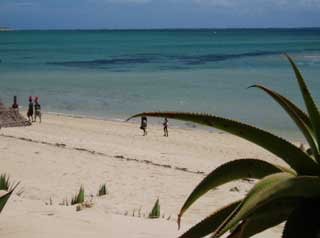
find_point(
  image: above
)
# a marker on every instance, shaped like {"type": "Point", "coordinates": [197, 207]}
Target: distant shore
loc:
{"type": "Point", "coordinates": [5, 29]}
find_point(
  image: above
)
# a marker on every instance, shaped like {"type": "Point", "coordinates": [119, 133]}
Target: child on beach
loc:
{"type": "Point", "coordinates": [143, 125]}
{"type": "Point", "coordinates": [37, 109]}
{"type": "Point", "coordinates": [30, 109]}
{"type": "Point", "coordinates": [15, 105]}
{"type": "Point", "coordinates": [165, 127]}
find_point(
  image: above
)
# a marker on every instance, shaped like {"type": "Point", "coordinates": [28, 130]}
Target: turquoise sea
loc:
{"type": "Point", "coordinates": [115, 73]}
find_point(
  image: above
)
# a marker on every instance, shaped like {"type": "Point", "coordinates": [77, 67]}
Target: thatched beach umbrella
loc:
{"type": "Point", "coordinates": [11, 118]}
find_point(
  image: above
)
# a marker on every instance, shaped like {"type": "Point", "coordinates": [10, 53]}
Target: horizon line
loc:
{"type": "Point", "coordinates": [155, 28]}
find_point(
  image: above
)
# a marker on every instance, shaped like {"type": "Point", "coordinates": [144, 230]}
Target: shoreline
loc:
{"type": "Point", "coordinates": [293, 136]}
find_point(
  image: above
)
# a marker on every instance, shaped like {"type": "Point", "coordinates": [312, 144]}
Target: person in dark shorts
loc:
{"type": "Point", "coordinates": [165, 127]}
{"type": "Point", "coordinates": [143, 125]}
{"type": "Point", "coordinates": [37, 109]}
{"type": "Point", "coordinates": [30, 110]}
{"type": "Point", "coordinates": [15, 105]}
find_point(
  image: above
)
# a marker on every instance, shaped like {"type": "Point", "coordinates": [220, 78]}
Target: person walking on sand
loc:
{"type": "Point", "coordinates": [165, 127]}
{"type": "Point", "coordinates": [30, 110]}
{"type": "Point", "coordinates": [37, 109]}
{"type": "Point", "coordinates": [143, 125]}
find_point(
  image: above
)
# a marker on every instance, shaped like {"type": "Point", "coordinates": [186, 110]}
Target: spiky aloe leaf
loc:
{"type": "Point", "coordinates": [265, 217]}
{"type": "Point", "coordinates": [303, 221]}
{"type": "Point", "coordinates": [155, 212]}
{"type": "Point", "coordinates": [276, 186]}
{"type": "Point", "coordinates": [211, 223]}
{"type": "Point", "coordinates": [294, 107]}
{"type": "Point", "coordinates": [237, 169]}
{"type": "Point", "coordinates": [308, 100]}
{"type": "Point", "coordinates": [78, 198]}
{"type": "Point", "coordinates": [102, 190]}
{"type": "Point", "coordinates": [299, 117]}
{"type": "Point", "coordinates": [296, 158]}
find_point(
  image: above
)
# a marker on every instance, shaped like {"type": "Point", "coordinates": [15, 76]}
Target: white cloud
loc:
{"type": "Point", "coordinates": [310, 3]}
{"type": "Point", "coordinates": [260, 3]}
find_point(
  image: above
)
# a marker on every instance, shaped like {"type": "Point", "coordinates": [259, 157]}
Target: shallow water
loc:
{"type": "Point", "coordinates": [113, 74]}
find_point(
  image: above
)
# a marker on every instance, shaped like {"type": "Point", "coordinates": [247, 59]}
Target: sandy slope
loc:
{"type": "Point", "coordinates": [54, 158]}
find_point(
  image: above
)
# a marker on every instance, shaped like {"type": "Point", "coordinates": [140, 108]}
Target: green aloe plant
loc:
{"type": "Point", "coordinates": [155, 212]}
{"type": "Point", "coordinates": [102, 190]}
{"type": "Point", "coordinates": [4, 182]}
{"type": "Point", "coordinates": [6, 189]}
{"type": "Point", "coordinates": [288, 194]}
{"type": "Point", "coordinates": [79, 197]}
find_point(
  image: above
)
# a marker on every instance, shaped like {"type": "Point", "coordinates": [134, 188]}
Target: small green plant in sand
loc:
{"type": "Point", "coordinates": [155, 212]}
{"type": "Point", "coordinates": [103, 190]}
{"type": "Point", "coordinates": [4, 182]}
{"type": "Point", "coordinates": [79, 197]}
{"type": "Point", "coordinates": [5, 190]}
{"type": "Point", "coordinates": [289, 194]}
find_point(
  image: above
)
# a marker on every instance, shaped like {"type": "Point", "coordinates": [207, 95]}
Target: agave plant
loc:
{"type": "Point", "coordinates": [6, 190]}
{"type": "Point", "coordinates": [79, 197]}
{"type": "Point", "coordinates": [155, 212]}
{"type": "Point", "coordinates": [102, 190]}
{"type": "Point", "coordinates": [288, 194]}
{"type": "Point", "coordinates": [4, 182]}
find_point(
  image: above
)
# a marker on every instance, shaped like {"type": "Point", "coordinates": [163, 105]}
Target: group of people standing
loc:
{"type": "Point", "coordinates": [144, 122]}
{"type": "Point", "coordinates": [34, 109]}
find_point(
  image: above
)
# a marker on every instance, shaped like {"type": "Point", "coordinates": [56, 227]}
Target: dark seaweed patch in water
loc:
{"type": "Point", "coordinates": [102, 62]}
{"type": "Point", "coordinates": [174, 67]}
{"type": "Point", "coordinates": [127, 60]}
{"type": "Point", "coordinates": [202, 59]}
{"type": "Point", "coordinates": [125, 63]}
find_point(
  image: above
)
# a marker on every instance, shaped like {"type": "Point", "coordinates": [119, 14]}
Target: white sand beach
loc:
{"type": "Point", "coordinates": [54, 158]}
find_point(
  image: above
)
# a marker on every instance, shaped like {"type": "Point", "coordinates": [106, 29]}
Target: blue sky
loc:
{"type": "Point", "coordinates": [88, 14]}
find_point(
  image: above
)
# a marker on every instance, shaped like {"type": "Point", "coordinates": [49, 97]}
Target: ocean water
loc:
{"type": "Point", "coordinates": [113, 74]}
